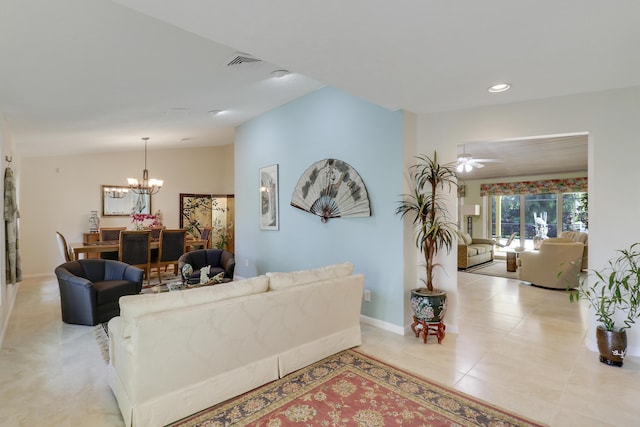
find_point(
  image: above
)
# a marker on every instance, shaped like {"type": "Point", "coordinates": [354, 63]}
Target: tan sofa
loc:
{"type": "Point", "coordinates": [174, 354]}
{"type": "Point", "coordinates": [556, 265]}
{"type": "Point", "coordinates": [474, 251]}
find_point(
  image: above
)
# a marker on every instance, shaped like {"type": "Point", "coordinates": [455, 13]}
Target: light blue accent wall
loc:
{"type": "Point", "coordinates": [328, 123]}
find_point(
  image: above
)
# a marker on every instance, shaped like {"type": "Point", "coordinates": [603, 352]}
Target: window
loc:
{"type": "Point", "coordinates": [533, 214]}
{"type": "Point", "coordinates": [531, 208]}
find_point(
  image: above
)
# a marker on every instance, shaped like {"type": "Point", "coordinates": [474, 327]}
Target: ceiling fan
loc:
{"type": "Point", "coordinates": [466, 162]}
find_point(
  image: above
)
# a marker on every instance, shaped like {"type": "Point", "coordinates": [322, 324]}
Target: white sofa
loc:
{"type": "Point", "coordinates": [174, 354]}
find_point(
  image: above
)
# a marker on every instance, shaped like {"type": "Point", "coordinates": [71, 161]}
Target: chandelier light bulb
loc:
{"type": "Point", "coordinates": [147, 185]}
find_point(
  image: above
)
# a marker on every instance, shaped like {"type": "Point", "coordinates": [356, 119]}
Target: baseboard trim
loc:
{"type": "Point", "coordinates": [382, 325]}
{"type": "Point", "coordinates": [11, 300]}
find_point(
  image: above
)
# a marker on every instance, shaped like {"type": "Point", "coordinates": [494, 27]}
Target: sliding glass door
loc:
{"type": "Point", "coordinates": [541, 215]}
{"type": "Point", "coordinates": [505, 216]}
{"type": "Point", "coordinates": [530, 215]}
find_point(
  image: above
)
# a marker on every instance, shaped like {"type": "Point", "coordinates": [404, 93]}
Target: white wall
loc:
{"type": "Point", "coordinates": [612, 122]}
{"type": "Point", "coordinates": [57, 193]}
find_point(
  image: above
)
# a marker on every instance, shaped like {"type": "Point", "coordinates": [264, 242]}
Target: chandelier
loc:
{"type": "Point", "coordinates": [116, 192]}
{"type": "Point", "coordinates": [146, 186]}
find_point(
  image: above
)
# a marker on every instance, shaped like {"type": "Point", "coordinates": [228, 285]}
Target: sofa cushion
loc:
{"type": "Point", "coordinates": [466, 238]}
{"type": "Point", "coordinates": [576, 236]}
{"type": "Point", "coordinates": [285, 280]}
{"type": "Point", "coordinates": [478, 249]}
{"type": "Point", "coordinates": [111, 290]}
{"type": "Point", "coordinates": [131, 307]}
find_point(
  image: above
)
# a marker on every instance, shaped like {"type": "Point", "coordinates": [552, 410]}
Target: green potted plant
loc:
{"type": "Point", "coordinates": [614, 294]}
{"type": "Point", "coordinates": [426, 207]}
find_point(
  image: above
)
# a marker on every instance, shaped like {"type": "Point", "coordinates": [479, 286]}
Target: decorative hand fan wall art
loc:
{"type": "Point", "coordinates": [331, 188]}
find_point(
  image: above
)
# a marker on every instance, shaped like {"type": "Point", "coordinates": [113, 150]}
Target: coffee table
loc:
{"type": "Point", "coordinates": [178, 286]}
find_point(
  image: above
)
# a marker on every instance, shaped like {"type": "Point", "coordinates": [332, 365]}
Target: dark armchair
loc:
{"type": "Point", "coordinates": [90, 289]}
{"type": "Point", "coordinates": [219, 260]}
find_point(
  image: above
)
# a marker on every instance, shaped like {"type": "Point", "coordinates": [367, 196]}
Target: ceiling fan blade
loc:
{"type": "Point", "coordinates": [489, 160]}
{"type": "Point", "coordinates": [464, 158]}
{"type": "Point", "coordinates": [476, 164]}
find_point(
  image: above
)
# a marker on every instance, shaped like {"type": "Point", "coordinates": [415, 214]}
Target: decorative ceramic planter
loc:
{"type": "Point", "coordinates": [94, 222]}
{"type": "Point", "coordinates": [429, 306]}
{"type": "Point", "coordinates": [612, 345]}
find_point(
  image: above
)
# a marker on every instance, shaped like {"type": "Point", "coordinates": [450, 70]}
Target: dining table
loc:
{"type": "Point", "coordinates": [113, 246]}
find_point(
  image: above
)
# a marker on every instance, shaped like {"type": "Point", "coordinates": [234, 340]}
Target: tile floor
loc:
{"type": "Point", "coordinates": [519, 347]}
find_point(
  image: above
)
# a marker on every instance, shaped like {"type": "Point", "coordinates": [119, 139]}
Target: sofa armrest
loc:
{"type": "Point", "coordinates": [483, 241]}
{"type": "Point", "coordinates": [135, 275]}
{"type": "Point", "coordinates": [66, 277]}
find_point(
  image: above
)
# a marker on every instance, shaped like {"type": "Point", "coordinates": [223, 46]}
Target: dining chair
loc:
{"type": "Point", "coordinates": [135, 249]}
{"type": "Point", "coordinates": [155, 231]}
{"type": "Point", "coordinates": [171, 246]}
{"type": "Point", "coordinates": [508, 242]}
{"type": "Point", "coordinates": [155, 235]}
{"type": "Point", "coordinates": [64, 248]}
{"type": "Point", "coordinates": [206, 235]}
{"type": "Point", "coordinates": [109, 234]}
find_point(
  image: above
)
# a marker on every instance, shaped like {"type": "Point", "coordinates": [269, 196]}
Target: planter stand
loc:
{"type": "Point", "coordinates": [424, 328]}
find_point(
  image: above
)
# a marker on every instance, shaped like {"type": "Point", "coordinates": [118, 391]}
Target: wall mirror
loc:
{"type": "Point", "coordinates": [125, 203]}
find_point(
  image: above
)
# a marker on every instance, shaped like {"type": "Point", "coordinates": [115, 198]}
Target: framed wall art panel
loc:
{"type": "Point", "coordinates": [269, 216]}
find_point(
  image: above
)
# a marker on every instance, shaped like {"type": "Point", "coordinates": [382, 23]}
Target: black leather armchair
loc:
{"type": "Point", "coordinates": [219, 260]}
{"type": "Point", "coordinates": [90, 289]}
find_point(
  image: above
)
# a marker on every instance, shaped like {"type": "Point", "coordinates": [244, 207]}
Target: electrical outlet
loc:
{"type": "Point", "coordinates": [367, 295]}
{"type": "Point", "coordinates": [246, 262]}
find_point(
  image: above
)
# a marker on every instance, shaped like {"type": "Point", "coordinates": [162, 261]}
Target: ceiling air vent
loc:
{"type": "Point", "coordinates": [241, 58]}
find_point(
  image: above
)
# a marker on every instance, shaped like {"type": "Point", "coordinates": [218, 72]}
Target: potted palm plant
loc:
{"type": "Point", "coordinates": [426, 207]}
{"type": "Point", "coordinates": [614, 294]}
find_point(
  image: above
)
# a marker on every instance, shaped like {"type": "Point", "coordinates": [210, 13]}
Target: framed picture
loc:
{"type": "Point", "coordinates": [198, 211]}
{"type": "Point", "coordinates": [125, 203]}
{"type": "Point", "coordinates": [269, 219]}
{"type": "Point", "coordinates": [222, 216]}
{"type": "Point", "coordinates": [195, 213]}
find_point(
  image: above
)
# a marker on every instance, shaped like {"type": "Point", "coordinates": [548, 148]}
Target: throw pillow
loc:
{"type": "Point", "coordinates": [285, 280]}
{"type": "Point", "coordinates": [466, 238]}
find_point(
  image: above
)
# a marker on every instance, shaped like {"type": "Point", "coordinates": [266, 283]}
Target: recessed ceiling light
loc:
{"type": "Point", "coordinates": [214, 113]}
{"type": "Point", "coordinates": [499, 87]}
{"type": "Point", "coordinates": [279, 73]}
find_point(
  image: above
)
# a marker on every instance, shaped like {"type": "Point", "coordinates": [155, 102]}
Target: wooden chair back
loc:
{"type": "Point", "coordinates": [206, 235]}
{"type": "Point", "coordinates": [64, 248]}
{"type": "Point", "coordinates": [135, 249]}
{"type": "Point", "coordinates": [108, 234]}
{"type": "Point", "coordinates": [155, 231]}
{"type": "Point", "coordinates": [172, 244]}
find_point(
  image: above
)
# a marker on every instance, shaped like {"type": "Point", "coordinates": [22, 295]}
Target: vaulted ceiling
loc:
{"type": "Point", "coordinates": [97, 75]}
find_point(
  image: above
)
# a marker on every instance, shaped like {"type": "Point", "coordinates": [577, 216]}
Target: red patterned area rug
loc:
{"type": "Point", "coordinates": [352, 389]}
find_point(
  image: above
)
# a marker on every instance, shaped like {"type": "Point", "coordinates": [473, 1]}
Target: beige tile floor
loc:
{"type": "Point", "coordinates": [519, 347]}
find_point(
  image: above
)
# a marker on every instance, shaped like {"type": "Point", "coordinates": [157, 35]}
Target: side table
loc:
{"type": "Point", "coordinates": [512, 261]}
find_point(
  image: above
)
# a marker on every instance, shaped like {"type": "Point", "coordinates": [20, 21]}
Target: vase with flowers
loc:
{"type": "Point", "coordinates": [142, 221]}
